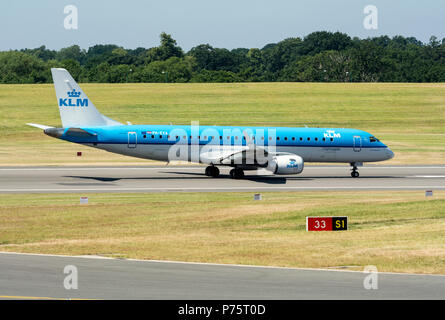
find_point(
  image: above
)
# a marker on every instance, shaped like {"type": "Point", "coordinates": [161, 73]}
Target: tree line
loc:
{"type": "Point", "coordinates": [320, 56]}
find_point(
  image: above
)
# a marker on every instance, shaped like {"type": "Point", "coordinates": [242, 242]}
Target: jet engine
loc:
{"type": "Point", "coordinates": [286, 164]}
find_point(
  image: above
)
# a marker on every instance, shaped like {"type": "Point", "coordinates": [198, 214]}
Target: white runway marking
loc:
{"type": "Point", "coordinates": [252, 188]}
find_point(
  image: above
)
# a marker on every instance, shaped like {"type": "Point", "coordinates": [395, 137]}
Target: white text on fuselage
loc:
{"type": "Point", "coordinates": [332, 134]}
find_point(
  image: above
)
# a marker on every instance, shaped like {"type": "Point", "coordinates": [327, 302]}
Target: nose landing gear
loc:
{"type": "Point", "coordinates": [354, 172]}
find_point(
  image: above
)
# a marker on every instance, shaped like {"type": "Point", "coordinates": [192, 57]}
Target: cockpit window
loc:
{"type": "Point", "coordinates": [373, 139]}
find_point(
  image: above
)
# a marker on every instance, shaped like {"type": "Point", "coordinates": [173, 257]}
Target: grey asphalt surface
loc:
{"type": "Point", "coordinates": [40, 276]}
{"type": "Point", "coordinates": [175, 178]}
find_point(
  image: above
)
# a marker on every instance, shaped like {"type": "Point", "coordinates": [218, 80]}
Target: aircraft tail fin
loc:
{"type": "Point", "coordinates": [76, 110]}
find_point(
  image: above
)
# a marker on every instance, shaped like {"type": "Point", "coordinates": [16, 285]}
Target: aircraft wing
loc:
{"type": "Point", "coordinates": [220, 155]}
{"type": "Point", "coordinates": [248, 153]}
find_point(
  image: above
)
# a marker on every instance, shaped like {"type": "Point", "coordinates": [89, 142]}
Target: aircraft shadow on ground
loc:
{"type": "Point", "coordinates": [201, 176]}
{"type": "Point", "coordinates": [346, 177]}
{"type": "Point", "coordinates": [196, 176]}
{"type": "Point", "coordinates": [261, 178]}
{"type": "Point", "coordinates": [84, 184]}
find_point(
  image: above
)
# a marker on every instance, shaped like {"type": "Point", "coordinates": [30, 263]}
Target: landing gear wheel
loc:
{"type": "Point", "coordinates": [354, 172]}
{"type": "Point", "coordinates": [212, 171]}
{"type": "Point", "coordinates": [215, 172]}
{"type": "Point", "coordinates": [236, 174]}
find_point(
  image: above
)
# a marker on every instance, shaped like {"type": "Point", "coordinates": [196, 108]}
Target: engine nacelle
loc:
{"type": "Point", "coordinates": [286, 164]}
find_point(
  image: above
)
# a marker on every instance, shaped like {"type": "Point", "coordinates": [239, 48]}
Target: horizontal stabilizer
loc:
{"type": "Point", "coordinates": [40, 126]}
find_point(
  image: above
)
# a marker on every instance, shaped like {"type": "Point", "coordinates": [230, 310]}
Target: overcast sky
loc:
{"type": "Point", "coordinates": [224, 23]}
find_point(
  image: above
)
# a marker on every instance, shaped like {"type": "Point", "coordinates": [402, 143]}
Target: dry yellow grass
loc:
{"type": "Point", "coordinates": [396, 231]}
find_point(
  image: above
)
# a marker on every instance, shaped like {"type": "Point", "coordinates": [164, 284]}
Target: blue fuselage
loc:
{"type": "Point", "coordinates": [312, 144]}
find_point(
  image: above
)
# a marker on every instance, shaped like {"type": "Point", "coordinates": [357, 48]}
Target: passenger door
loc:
{"type": "Point", "coordinates": [132, 140]}
{"type": "Point", "coordinates": [357, 143]}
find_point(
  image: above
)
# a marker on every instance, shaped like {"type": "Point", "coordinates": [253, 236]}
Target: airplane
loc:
{"type": "Point", "coordinates": [279, 150]}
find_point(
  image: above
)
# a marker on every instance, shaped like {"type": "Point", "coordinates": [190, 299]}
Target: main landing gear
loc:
{"type": "Point", "coordinates": [236, 173]}
{"type": "Point", "coordinates": [212, 171]}
{"type": "Point", "coordinates": [354, 172]}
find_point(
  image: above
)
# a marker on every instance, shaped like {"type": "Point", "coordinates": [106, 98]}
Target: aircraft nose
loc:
{"type": "Point", "coordinates": [389, 153]}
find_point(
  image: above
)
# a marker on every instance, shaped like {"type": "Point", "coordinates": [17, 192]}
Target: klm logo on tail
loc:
{"type": "Point", "coordinates": [73, 100]}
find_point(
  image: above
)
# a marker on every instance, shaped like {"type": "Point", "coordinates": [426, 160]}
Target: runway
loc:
{"type": "Point", "coordinates": [42, 276]}
{"type": "Point", "coordinates": [192, 179]}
